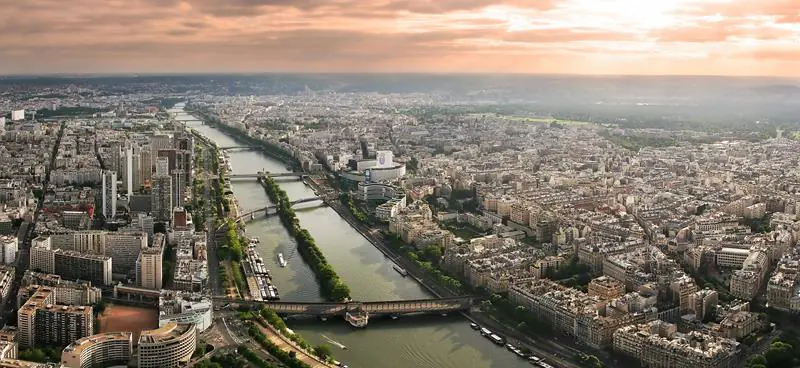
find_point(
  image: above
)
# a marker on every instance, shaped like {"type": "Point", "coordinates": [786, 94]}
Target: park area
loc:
{"type": "Point", "coordinates": [120, 318]}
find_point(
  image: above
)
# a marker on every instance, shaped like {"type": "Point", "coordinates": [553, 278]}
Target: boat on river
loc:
{"type": "Point", "coordinates": [281, 261]}
{"type": "Point", "coordinates": [401, 270]}
{"type": "Point", "coordinates": [358, 318]}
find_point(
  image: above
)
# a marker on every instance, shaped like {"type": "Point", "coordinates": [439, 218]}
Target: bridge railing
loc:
{"type": "Point", "coordinates": [387, 307]}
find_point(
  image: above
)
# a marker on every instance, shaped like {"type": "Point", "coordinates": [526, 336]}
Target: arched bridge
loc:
{"type": "Point", "coordinates": [441, 305]}
{"type": "Point", "coordinates": [273, 208]}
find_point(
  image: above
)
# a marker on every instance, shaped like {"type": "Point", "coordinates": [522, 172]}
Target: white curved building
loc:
{"type": "Point", "coordinates": [169, 346]}
{"type": "Point", "coordinates": [99, 350]}
{"type": "Point", "coordinates": [394, 196]}
{"type": "Point", "coordinates": [380, 169]}
{"type": "Point", "coordinates": [184, 307]}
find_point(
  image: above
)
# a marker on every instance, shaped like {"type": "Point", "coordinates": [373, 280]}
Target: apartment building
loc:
{"type": "Point", "coordinates": [746, 283]}
{"type": "Point", "coordinates": [683, 289]}
{"type": "Point", "coordinates": [169, 346]}
{"type": "Point", "coordinates": [124, 249]}
{"type": "Point", "coordinates": [105, 349]}
{"type": "Point", "coordinates": [149, 268]}
{"type": "Point", "coordinates": [657, 344]}
{"type": "Point", "coordinates": [41, 321]}
{"type": "Point", "coordinates": [606, 288]}
{"type": "Point", "coordinates": [162, 198]}
{"type": "Point", "coordinates": [7, 274]}
{"type": "Point", "coordinates": [73, 265]}
{"type": "Point", "coordinates": [61, 324]}
{"type": "Point", "coordinates": [8, 249]}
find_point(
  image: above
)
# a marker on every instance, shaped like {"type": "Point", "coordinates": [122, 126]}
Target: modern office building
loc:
{"type": "Point", "coordinates": [162, 166]}
{"type": "Point", "coordinates": [184, 307]}
{"type": "Point", "coordinates": [115, 157]}
{"type": "Point", "coordinates": [7, 274]}
{"type": "Point", "coordinates": [137, 172]}
{"type": "Point", "coordinates": [41, 255]}
{"type": "Point", "coordinates": [124, 249]}
{"type": "Point", "coordinates": [17, 115]}
{"type": "Point", "coordinates": [75, 220]}
{"type": "Point", "coordinates": [179, 217]}
{"type": "Point", "coordinates": [149, 268]}
{"type": "Point", "coordinates": [145, 167]}
{"type": "Point", "coordinates": [128, 175]}
{"type": "Point", "coordinates": [178, 187]}
{"type": "Point", "coordinates": [172, 159]}
{"type": "Point", "coordinates": [91, 241]}
{"type": "Point", "coordinates": [101, 350]}
{"type": "Point", "coordinates": [162, 197]}
{"type": "Point", "coordinates": [8, 249]}
{"type": "Point", "coordinates": [109, 194]}
{"type": "Point", "coordinates": [8, 350]}
{"type": "Point", "coordinates": [160, 142]}
{"type": "Point", "coordinates": [168, 346]}
{"type": "Point", "coordinates": [72, 265]}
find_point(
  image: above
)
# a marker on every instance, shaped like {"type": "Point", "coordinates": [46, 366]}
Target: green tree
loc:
{"type": "Point", "coordinates": [433, 253]}
{"type": "Point", "coordinates": [322, 351]}
{"type": "Point", "coordinates": [207, 364]}
{"type": "Point", "coordinates": [779, 355]}
{"type": "Point", "coordinates": [340, 291]}
{"type": "Point", "coordinates": [757, 362]}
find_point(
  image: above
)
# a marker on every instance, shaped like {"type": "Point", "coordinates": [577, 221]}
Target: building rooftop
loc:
{"type": "Point", "coordinates": [78, 346]}
{"type": "Point", "coordinates": [167, 332]}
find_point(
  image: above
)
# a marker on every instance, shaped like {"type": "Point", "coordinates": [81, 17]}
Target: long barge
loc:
{"type": "Point", "coordinates": [257, 275]}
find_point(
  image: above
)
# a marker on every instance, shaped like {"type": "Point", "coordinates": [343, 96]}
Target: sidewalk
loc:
{"type": "Point", "coordinates": [285, 344]}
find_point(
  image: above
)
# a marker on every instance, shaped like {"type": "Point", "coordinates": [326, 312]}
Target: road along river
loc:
{"type": "Point", "coordinates": [414, 341]}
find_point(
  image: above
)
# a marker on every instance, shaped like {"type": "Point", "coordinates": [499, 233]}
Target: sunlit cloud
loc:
{"type": "Point", "coordinates": [739, 37]}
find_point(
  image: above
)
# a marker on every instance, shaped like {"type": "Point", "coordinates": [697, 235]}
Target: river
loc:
{"type": "Point", "coordinates": [414, 341]}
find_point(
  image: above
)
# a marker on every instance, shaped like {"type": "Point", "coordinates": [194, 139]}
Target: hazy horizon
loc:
{"type": "Point", "coordinates": [561, 37]}
{"type": "Point", "coordinates": [386, 73]}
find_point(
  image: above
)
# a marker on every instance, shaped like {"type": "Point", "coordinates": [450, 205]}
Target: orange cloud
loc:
{"type": "Point", "coordinates": [741, 37]}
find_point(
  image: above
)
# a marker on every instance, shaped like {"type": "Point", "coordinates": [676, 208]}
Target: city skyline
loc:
{"type": "Point", "coordinates": [681, 37]}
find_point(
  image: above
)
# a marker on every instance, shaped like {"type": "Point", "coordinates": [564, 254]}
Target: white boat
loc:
{"type": "Point", "coordinates": [400, 270]}
{"type": "Point", "coordinates": [358, 319]}
{"type": "Point", "coordinates": [281, 261]}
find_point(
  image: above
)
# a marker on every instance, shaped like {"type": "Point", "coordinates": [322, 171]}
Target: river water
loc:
{"type": "Point", "coordinates": [408, 342]}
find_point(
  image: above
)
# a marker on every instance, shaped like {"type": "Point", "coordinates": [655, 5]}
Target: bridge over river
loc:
{"type": "Point", "coordinates": [393, 307]}
{"type": "Point", "coordinates": [271, 175]}
{"type": "Point", "coordinates": [272, 208]}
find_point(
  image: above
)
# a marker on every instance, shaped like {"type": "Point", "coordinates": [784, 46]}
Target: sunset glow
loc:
{"type": "Point", "coordinates": [717, 37]}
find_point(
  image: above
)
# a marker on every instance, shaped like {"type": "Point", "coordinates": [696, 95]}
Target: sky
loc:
{"type": "Point", "coordinates": [653, 37]}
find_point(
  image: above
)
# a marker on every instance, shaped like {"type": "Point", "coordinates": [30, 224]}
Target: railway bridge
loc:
{"type": "Point", "coordinates": [393, 307]}
{"type": "Point", "coordinates": [271, 209]}
{"type": "Point", "coordinates": [271, 175]}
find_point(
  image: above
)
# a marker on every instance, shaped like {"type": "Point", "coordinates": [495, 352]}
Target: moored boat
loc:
{"type": "Point", "coordinates": [400, 270]}
{"type": "Point", "coordinates": [358, 319]}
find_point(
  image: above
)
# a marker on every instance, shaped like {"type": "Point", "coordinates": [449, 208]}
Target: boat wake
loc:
{"type": "Point", "coordinates": [334, 342]}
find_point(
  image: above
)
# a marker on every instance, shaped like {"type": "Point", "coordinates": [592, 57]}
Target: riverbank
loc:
{"type": "Point", "coordinates": [275, 151]}
{"type": "Point", "coordinates": [558, 353]}
{"type": "Point", "coordinates": [406, 342]}
{"type": "Point", "coordinates": [330, 284]}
